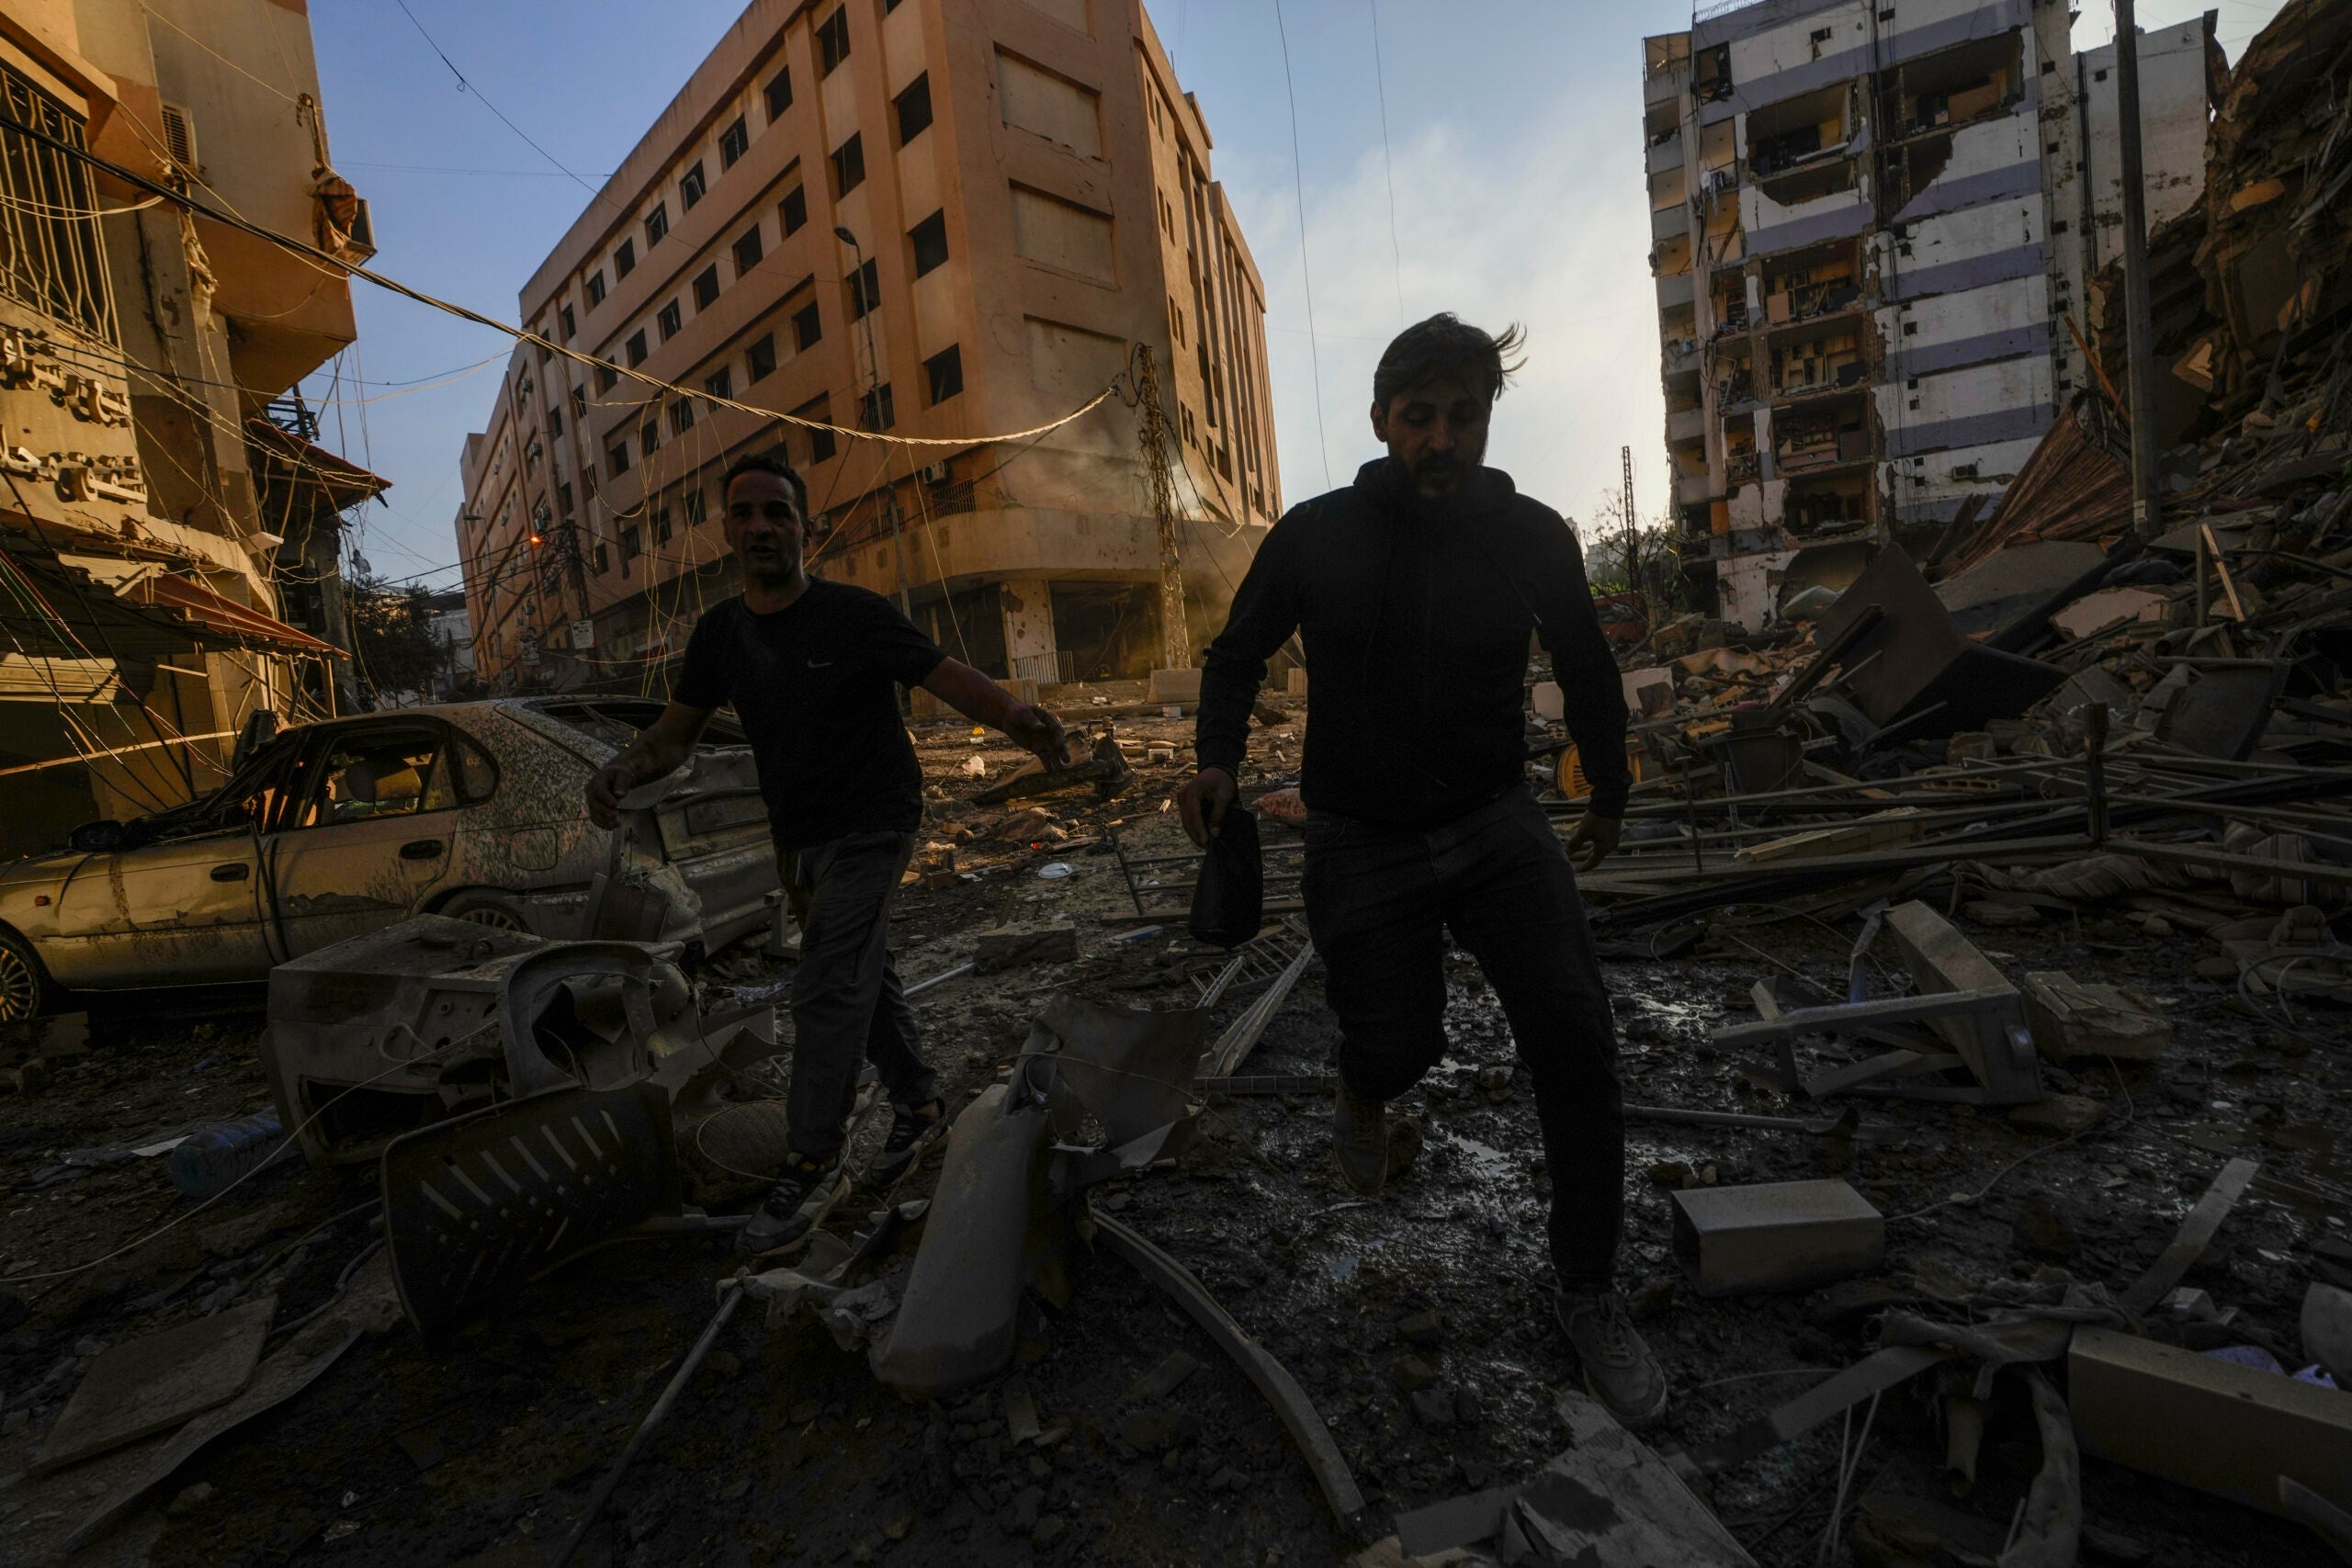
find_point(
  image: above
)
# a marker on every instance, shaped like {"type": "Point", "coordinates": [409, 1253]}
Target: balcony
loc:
{"type": "Point", "coordinates": [1665, 154]}
{"type": "Point", "coordinates": [1684, 426]}
{"type": "Point", "coordinates": [1666, 84]}
{"type": "Point", "coordinates": [1675, 290]}
{"type": "Point", "coordinates": [1690, 490]}
{"type": "Point", "coordinates": [1668, 222]}
{"type": "Point", "coordinates": [1740, 467]}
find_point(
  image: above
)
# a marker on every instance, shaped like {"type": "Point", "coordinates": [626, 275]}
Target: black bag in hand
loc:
{"type": "Point", "coordinates": [1229, 899]}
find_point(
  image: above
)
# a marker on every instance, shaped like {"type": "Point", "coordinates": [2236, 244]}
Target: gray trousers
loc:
{"type": "Point", "coordinates": [848, 1006]}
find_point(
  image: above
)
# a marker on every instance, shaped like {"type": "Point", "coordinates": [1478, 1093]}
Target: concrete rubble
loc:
{"type": "Point", "coordinates": [1979, 941]}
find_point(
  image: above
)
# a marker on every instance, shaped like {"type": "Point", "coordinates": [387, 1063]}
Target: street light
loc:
{"type": "Point", "coordinates": [873, 407]}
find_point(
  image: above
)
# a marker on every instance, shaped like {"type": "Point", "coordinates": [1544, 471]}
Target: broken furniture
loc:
{"type": "Point", "coordinates": [1779, 1236]}
{"type": "Point", "coordinates": [1106, 771]}
{"type": "Point", "coordinates": [1914, 666]}
{"type": "Point", "coordinates": [1976, 1020]}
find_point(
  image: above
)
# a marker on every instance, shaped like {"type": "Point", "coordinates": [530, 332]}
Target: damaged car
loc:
{"type": "Point", "coordinates": [335, 829]}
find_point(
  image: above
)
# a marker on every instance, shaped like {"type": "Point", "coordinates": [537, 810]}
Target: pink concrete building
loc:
{"type": "Point", "coordinates": [903, 217]}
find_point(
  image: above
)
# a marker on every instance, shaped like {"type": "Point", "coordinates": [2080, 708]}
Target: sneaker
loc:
{"type": "Point", "coordinates": [1359, 1139]}
{"type": "Point", "coordinates": [913, 1129]}
{"type": "Point", "coordinates": [1619, 1369]}
{"type": "Point", "coordinates": [801, 1197]}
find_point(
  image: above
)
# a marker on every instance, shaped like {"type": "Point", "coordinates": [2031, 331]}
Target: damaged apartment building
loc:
{"type": "Point", "coordinates": [908, 218]}
{"type": "Point", "coordinates": [170, 530]}
{"type": "Point", "coordinates": [1872, 225]}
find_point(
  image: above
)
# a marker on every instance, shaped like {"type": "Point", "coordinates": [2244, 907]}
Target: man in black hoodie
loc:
{"type": "Point", "coordinates": [1415, 591]}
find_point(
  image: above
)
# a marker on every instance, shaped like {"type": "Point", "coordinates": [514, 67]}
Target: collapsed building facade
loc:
{"type": "Point", "coordinates": [162, 490]}
{"type": "Point", "coordinates": [1872, 232]}
{"type": "Point", "coordinates": [913, 219]}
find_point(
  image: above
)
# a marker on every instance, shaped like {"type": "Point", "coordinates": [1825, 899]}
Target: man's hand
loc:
{"type": "Point", "coordinates": [605, 787]}
{"type": "Point", "coordinates": [1594, 839]}
{"type": "Point", "coordinates": [1034, 729]}
{"type": "Point", "coordinates": [1204, 801]}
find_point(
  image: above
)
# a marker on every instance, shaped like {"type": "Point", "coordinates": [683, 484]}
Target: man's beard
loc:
{"type": "Point", "coordinates": [1434, 475]}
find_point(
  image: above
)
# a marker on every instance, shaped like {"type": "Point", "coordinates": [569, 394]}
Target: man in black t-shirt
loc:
{"type": "Point", "coordinates": [812, 669]}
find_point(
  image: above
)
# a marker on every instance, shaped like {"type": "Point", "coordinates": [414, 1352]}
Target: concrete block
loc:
{"type": "Point", "coordinates": [1548, 702]}
{"type": "Point", "coordinates": [1177, 686]}
{"type": "Point", "coordinates": [1005, 946]}
{"type": "Point", "coordinates": [2074, 1019]}
{"type": "Point", "coordinates": [1781, 1236]}
{"type": "Point", "coordinates": [2218, 1426]}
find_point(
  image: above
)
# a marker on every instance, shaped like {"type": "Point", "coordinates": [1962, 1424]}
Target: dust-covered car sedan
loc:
{"type": "Point", "coordinates": [329, 830]}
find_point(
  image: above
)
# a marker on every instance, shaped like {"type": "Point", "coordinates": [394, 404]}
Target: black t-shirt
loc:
{"type": "Point", "coordinates": [811, 684]}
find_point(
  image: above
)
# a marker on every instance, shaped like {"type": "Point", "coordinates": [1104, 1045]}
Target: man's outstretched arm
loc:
{"type": "Point", "coordinates": [982, 701]}
{"type": "Point", "coordinates": [1264, 613]}
{"type": "Point", "coordinates": [658, 749]}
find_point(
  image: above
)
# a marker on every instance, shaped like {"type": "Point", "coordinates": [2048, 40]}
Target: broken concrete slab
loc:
{"type": "Point", "coordinates": [1610, 1502]}
{"type": "Point", "coordinates": [1003, 947]}
{"type": "Point", "coordinates": [1781, 1235]}
{"type": "Point", "coordinates": [2095, 612]}
{"type": "Point", "coordinates": [2085, 1019]}
{"type": "Point", "coordinates": [369, 1305]}
{"type": "Point", "coordinates": [2213, 1425]}
{"type": "Point", "coordinates": [152, 1385]}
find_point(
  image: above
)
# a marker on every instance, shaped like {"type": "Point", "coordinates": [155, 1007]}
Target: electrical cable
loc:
{"type": "Point", "coordinates": [1387, 165]}
{"type": "Point", "coordinates": [465, 87]}
{"type": "Point", "coordinates": [654, 384]}
{"type": "Point", "coordinates": [1306, 274]}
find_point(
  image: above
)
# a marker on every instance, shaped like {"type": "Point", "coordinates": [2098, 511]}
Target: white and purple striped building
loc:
{"type": "Point", "coordinates": [1872, 224]}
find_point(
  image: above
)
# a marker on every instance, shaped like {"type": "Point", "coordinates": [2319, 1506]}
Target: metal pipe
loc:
{"type": "Point", "coordinates": [731, 1299]}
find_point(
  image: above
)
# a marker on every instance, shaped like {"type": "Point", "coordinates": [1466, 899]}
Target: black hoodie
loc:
{"type": "Point", "coordinates": [1415, 615]}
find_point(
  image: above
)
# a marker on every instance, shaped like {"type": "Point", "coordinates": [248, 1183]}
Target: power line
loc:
{"type": "Point", "coordinates": [465, 87]}
{"type": "Point", "coordinates": [1387, 165]}
{"type": "Point", "coordinates": [1299, 180]}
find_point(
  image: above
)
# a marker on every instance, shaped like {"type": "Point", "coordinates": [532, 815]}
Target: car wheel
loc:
{"type": "Point", "coordinates": [24, 986]}
{"type": "Point", "coordinates": [489, 909]}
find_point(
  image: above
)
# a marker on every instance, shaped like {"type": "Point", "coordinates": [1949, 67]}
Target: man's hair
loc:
{"type": "Point", "coordinates": [766, 463]}
{"type": "Point", "coordinates": [1447, 345]}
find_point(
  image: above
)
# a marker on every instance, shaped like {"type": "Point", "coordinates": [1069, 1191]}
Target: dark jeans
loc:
{"type": "Point", "coordinates": [1378, 901]}
{"type": "Point", "coordinates": [847, 1004]}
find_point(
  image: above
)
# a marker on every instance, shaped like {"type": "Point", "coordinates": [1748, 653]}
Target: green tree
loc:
{"type": "Point", "coordinates": [392, 644]}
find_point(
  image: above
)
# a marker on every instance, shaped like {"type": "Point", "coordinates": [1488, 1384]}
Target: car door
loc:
{"type": "Point", "coordinates": [184, 908]}
{"type": "Point", "coordinates": [367, 835]}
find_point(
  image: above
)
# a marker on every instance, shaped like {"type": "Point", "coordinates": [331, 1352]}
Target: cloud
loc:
{"type": "Point", "coordinates": [1550, 229]}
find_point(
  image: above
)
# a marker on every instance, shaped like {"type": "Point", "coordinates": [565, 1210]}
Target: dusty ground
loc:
{"type": "Point", "coordinates": [786, 1450]}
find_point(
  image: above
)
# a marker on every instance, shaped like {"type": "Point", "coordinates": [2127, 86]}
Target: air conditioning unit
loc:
{"type": "Point", "coordinates": [937, 473]}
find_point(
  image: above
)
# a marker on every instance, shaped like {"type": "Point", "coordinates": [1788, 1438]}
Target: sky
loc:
{"type": "Point", "coordinates": [1483, 157]}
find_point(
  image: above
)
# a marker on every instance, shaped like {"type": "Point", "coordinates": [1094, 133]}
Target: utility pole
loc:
{"type": "Point", "coordinates": [1633, 538]}
{"type": "Point", "coordinates": [1175, 644]}
{"type": "Point", "coordinates": [2147, 502]}
{"type": "Point", "coordinates": [873, 413]}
